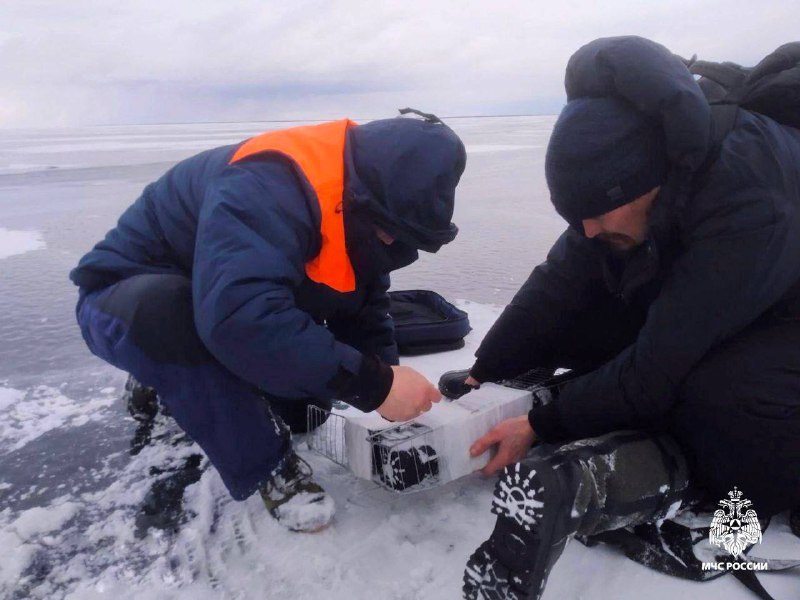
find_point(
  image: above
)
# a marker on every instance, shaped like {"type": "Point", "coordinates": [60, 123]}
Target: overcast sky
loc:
{"type": "Point", "coordinates": [73, 62]}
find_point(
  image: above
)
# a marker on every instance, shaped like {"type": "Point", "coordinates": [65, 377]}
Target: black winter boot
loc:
{"type": "Point", "coordinates": [533, 502]}
{"type": "Point", "coordinates": [294, 411]}
{"type": "Point", "coordinates": [142, 401]}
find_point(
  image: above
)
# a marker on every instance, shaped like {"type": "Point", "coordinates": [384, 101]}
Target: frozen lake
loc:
{"type": "Point", "coordinates": [72, 477]}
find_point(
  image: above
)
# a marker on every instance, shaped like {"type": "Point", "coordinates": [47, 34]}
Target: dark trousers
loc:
{"type": "Point", "coordinates": [737, 416]}
{"type": "Point", "coordinates": [626, 478]}
{"type": "Point", "coordinates": [145, 325]}
{"type": "Point", "coordinates": [620, 479]}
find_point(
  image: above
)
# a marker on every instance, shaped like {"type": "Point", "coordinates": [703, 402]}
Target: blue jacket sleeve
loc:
{"type": "Point", "coordinates": [371, 330]}
{"type": "Point", "coordinates": [742, 256]}
{"type": "Point", "coordinates": [255, 233]}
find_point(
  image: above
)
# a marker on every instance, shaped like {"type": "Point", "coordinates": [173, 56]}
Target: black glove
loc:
{"type": "Point", "coordinates": [452, 385]}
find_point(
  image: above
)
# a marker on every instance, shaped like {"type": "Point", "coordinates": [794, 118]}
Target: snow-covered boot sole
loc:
{"type": "Point", "coordinates": [295, 500]}
{"type": "Point", "coordinates": [485, 578]}
{"type": "Point", "coordinates": [306, 512]}
{"type": "Point", "coordinates": [532, 501]}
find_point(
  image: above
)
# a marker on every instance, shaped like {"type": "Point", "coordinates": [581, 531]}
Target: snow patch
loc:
{"type": "Point", "coordinates": [673, 509]}
{"type": "Point", "coordinates": [25, 536]}
{"type": "Point", "coordinates": [15, 560]}
{"type": "Point", "coordinates": [19, 242]}
{"type": "Point", "coordinates": [39, 520]}
{"type": "Point", "coordinates": [28, 414]}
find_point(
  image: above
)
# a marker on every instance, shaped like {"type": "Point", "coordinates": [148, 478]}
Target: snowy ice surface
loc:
{"type": "Point", "coordinates": [480, 148]}
{"type": "Point", "coordinates": [73, 473]}
{"type": "Point", "coordinates": [19, 242]}
{"type": "Point", "coordinates": [380, 544]}
{"type": "Point", "coordinates": [28, 414]}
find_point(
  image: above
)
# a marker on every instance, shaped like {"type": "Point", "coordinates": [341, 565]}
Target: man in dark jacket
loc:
{"type": "Point", "coordinates": [674, 293]}
{"type": "Point", "coordinates": [252, 279]}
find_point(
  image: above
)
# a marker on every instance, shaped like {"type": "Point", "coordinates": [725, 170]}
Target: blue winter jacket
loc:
{"type": "Point", "coordinates": [243, 234]}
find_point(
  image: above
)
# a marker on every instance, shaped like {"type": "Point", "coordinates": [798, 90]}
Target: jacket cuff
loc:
{"type": "Point", "coordinates": [389, 355]}
{"type": "Point", "coordinates": [481, 372]}
{"type": "Point", "coordinates": [546, 423]}
{"type": "Point", "coordinates": [367, 390]}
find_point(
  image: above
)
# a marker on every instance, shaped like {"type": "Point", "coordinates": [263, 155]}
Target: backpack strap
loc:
{"type": "Point", "coordinates": [771, 88]}
{"type": "Point", "coordinates": [643, 545]}
{"type": "Point", "coordinates": [751, 582]}
{"type": "Point", "coordinates": [717, 80]}
{"type": "Point", "coordinates": [647, 544]}
{"type": "Point", "coordinates": [723, 120]}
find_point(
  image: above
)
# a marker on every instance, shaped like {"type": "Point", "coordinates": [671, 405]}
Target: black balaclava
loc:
{"type": "Point", "coordinates": [401, 176]}
{"type": "Point", "coordinates": [369, 256]}
{"type": "Point", "coordinates": [602, 154]}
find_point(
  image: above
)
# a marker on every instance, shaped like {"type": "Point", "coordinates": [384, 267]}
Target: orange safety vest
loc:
{"type": "Point", "coordinates": [318, 151]}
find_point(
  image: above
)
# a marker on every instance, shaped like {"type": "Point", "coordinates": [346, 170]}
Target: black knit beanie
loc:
{"type": "Point", "coordinates": [603, 153]}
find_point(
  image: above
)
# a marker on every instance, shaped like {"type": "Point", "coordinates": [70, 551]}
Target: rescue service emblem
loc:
{"type": "Point", "coordinates": [735, 525]}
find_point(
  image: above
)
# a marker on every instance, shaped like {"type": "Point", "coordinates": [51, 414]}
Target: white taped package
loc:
{"type": "Point", "coordinates": [451, 427]}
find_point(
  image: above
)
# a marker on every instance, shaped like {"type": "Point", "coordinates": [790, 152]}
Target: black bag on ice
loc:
{"type": "Point", "coordinates": [424, 322]}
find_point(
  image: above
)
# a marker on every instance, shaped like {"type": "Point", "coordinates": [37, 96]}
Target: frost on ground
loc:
{"type": "Point", "coordinates": [28, 414]}
{"type": "Point", "coordinates": [19, 242]}
{"type": "Point", "coordinates": [82, 542]}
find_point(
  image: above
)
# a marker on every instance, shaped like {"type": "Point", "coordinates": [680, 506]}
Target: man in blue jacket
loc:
{"type": "Point", "coordinates": [256, 275]}
{"type": "Point", "coordinates": [674, 295]}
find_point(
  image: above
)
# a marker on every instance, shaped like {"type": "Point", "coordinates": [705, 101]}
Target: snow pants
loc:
{"type": "Point", "coordinates": [145, 325]}
{"type": "Point", "coordinates": [737, 416]}
{"type": "Point", "coordinates": [621, 479]}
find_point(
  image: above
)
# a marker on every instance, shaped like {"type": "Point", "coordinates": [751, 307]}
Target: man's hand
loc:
{"type": "Point", "coordinates": [513, 437]}
{"type": "Point", "coordinates": [411, 395]}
